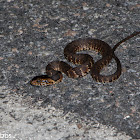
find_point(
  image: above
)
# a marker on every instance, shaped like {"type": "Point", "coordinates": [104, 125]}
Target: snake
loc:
{"type": "Point", "coordinates": [85, 62]}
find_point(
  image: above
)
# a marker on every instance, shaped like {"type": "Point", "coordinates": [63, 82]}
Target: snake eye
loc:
{"type": "Point", "coordinates": [38, 81]}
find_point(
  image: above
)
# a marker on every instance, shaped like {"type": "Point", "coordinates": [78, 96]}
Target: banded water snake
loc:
{"type": "Point", "coordinates": [85, 62]}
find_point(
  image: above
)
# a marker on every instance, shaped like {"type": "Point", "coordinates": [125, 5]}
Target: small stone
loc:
{"type": "Point", "coordinates": [131, 70]}
{"type": "Point", "coordinates": [91, 31]}
{"type": "Point", "coordinates": [63, 19]}
{"type": "Point", "coordinates": [9, 0]}
{"type": "Point", "coordinates": [70, 33]}
{"type": "Point", "coordinates": [124, 69]}
{"type": "Point", "coordinates": [108, 5]}
{"type": "Point", "coordinates": [79, 125]}
{"type": "Point", "coordinates": [15, 50]}
{"type": "Point", "coordinates": [85, 8]}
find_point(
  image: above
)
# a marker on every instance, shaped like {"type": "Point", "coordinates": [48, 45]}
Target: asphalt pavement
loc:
{"type": "Point", "coordinates": [34, 33]}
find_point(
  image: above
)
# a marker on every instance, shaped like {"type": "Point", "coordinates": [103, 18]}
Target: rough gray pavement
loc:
{"type": "Point", "coordinates": [34, 33]}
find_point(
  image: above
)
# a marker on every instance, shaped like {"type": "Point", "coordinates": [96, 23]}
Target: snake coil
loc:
{"type": "Point", "coordinates": [85, 62]}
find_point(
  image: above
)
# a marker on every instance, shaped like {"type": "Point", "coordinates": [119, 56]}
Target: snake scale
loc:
{"type": "Point", "coordinates": [85, 62]}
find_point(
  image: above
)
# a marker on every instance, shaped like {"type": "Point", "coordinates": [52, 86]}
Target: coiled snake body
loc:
{"type": "Point", "coordinates": [85, 62]}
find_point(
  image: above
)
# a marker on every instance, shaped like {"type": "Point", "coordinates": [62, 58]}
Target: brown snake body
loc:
{"type": "Point", "coordinates": [85, 62]}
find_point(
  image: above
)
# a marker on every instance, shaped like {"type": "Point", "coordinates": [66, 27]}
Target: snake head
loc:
{"type": "Point", "coordinates": [45, 80]}
{"type": "Point", "coordinates": [42, 80]}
